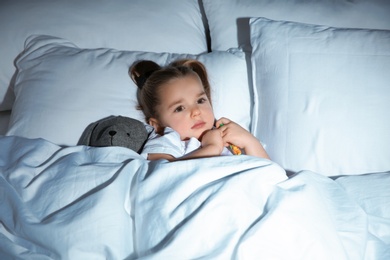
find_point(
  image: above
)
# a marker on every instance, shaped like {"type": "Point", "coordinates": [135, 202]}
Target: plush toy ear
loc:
{"type": "Point", "coordinates": [85, 138]}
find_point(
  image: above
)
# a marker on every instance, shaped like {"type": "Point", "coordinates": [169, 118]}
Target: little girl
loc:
{"type": "Point", "coordinates": [176, 102]}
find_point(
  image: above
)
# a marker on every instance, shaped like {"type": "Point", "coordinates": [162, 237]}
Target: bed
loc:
{"type": "Point", "coordinates": [308, 78]}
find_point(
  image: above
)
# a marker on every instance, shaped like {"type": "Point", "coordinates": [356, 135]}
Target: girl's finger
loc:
{"type": "Point", "coordinates": [222, 121]}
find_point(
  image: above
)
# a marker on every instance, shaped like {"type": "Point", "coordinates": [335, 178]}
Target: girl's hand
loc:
{"type": "Point", "coordinates": [233, 133]}
{"type": "Point", "coordinates": [212, 139]}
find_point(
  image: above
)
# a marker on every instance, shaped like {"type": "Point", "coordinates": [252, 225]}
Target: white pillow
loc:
{"type": "Point", "coordinates": [60, 88]}
{"type": "Point", "coordinates": [322, 96]}
{"type": "Point", "coordinates": [229, 19]}
{"type": "Point", "coordinates": [148, 25]}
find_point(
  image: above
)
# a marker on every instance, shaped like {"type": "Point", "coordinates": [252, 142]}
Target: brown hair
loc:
{"type": "Point", "coordinates": [149, 77]}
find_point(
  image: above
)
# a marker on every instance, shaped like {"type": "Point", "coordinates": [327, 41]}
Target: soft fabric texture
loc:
{"type": "Point", "coordinates": [229, 19]}
{"type": "Point", "coordinates": [322, 96]}
{"type": "Point", "coordinates": [119, 24]}
{"type": "Point", "coordinates": [247, 212]}
{"type": "Point", "coordinates": [65, 203]}
{"type": "Point", "coordinates": [108, 203]}
{"type": "Point", "coordinates": [116, 131]}
{"type": "Point", "coordinates": [369, 191]}
{"type": "Point", "coordinates": [60, 89]}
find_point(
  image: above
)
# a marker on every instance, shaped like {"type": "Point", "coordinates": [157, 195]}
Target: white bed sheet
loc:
{"type": "Point", "coordinates": [108, 203]}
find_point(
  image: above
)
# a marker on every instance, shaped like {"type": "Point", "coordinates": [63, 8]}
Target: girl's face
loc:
{"type": "Point", "coordinates": [184, 107]}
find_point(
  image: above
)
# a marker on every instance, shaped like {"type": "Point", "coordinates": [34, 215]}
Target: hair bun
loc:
{"type": "Point", "coordinates": [141, 71]}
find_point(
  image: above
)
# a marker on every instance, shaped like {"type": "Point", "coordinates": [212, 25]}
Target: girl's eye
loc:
{"type": "Point", "coordinates": [201, 100]}
{"type": "Point", "coordinates": [179, 109]}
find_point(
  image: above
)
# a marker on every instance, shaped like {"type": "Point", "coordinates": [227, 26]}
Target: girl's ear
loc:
{"type": "Point", "coordinates": [156, 125]}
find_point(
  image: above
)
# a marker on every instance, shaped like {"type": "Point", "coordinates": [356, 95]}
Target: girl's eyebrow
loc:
{"type": "Point", "coordinates": [202, 93]}
{"type": "Point", "coordinates": [175, 103]}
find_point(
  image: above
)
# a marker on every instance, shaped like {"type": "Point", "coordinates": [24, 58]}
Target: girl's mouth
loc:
{"type": "Point", "coordinates": [198, 125]}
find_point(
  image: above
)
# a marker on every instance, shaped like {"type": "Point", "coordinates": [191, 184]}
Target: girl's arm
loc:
{"type": "Point", "coordinates": [212, 145]}
{"type": "Point", "coordinates": [232, 133]}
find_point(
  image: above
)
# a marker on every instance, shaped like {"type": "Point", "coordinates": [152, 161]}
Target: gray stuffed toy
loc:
{"type": "Point", "coordinates": [115, 131]}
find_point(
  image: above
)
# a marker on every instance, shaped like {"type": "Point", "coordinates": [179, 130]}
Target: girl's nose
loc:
{"type": "Point", "coordinates": [195, 111]}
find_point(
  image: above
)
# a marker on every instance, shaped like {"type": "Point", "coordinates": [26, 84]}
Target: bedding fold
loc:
{"type": "Point", "coordinates": [204, 203]}
{"type": "Point", "coordinates": [65, 202]}
{"type": "Point", "coordinates": [230, 210]}
{"type": "Point", "coordinates": [83, 202]}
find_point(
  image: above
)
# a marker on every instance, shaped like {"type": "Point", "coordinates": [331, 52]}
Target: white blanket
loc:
{"type": "Point", "coordinates": [109, 203]}
{"type": "Point", "coordinates": [65, 203]}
